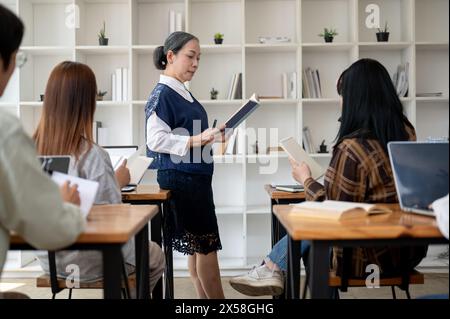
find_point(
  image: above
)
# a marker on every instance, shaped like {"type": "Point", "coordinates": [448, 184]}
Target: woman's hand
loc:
{"type": "Point", "coordinates": [300, 171]}
{"type": "Point", "coordinates": [70, 193]}
{"type": "Point", "coordinates": [208, 136]}
{"type": "Point", "coordinates": [123, 174]}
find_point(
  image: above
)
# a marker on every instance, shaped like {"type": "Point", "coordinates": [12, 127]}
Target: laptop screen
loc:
{"type": "Point", "coordinates": [55, 163]}
{"type": "Point", "coordinates": [420, 172]}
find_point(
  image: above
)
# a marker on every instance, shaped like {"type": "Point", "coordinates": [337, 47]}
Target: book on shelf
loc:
{"type": "Point", "coordinates": [289, 85]}
{"type": "Point", "coordinates": [95, 127]}
{"type": "Point", "coordinates": [311, 86]}
{"type": "Point", "coordinates": [272, 40]}
{"type": "Point", "coordinates": [235, 90]}
{"type": "Point", "coordinates": [175, 21]}
{"type": "Point", "coordinates": [119, 85]}
{"type": "Point", "coordinates": [337, 210]}
{"type": "Point", "coordinates": [430, 94]}
{"type": "Point", "coordinates": [296, 188]}
{"type": "Point", "coordinates": [401, 79]}
{"type": "Point", "coordinates": [307, 141]}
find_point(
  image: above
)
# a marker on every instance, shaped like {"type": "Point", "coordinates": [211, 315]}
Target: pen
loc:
{"type": "Point", "coordinates": [214, 124]}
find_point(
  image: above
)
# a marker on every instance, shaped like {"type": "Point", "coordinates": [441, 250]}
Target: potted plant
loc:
{"type": "Point", "coordinates": [100, 95]}
{"type": "Point", "coordinates": [102, 39]}
{"type": "Point", "coordinates": [328, 34]}
{"type": "Point", "coordinates": [383, 34]}
{"type": "Point", "coordinates": [214, 94]}
{"type": "Point", "coordinates": [218, 38]}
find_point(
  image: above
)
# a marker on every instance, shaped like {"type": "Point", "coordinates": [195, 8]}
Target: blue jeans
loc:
{"type": "Point", "coordinates": [279, 253]}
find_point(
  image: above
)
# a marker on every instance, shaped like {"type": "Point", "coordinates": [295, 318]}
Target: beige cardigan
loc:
{"type": "Point", "coordinates": [30, 203]}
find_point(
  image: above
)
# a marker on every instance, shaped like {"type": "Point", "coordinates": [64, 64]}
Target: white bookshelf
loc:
{"type": "Point", "coordinates": [418, 35]}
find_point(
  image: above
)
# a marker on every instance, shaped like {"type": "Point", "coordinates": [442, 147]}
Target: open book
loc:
{"type": "Point", "coordinates": [240, 115]}
{"type": "Point", "coordinates": [137, 165]}
{"type": "Point", "coordinates": [295, 151]}
{"type": "Point", "coordinates": [337, 210]}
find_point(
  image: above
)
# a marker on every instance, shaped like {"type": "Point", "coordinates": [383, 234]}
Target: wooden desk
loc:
{"type": "Point", "coordinates": [280, 198]}
{"type": "Point", "coordinates": [397, 228]}
{"type": "Point", "coordinates": [108, 228]}
{"type": "Point", "coordinates": [153, 195]}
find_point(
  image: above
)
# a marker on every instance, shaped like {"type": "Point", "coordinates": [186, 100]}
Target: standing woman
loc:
{"type": "Point", "coordinates": [179, 140]}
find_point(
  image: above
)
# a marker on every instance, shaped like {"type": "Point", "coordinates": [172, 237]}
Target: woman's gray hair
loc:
{"type": "Point", "coordinates": [175, 42]}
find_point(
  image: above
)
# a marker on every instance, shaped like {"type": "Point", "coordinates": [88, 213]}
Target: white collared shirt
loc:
{"type": "Point", "coordinates": [160, 138]}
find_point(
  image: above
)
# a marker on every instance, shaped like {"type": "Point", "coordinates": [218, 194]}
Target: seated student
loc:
{"type": "Point", "coordinates": [40, 217]}
{"type": "Point", "coordinates": [65, 127]}
{"type": "Point", "coordinates": [359, 171]}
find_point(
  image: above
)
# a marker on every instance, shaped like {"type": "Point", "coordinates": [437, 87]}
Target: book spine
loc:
{"type": "Point", "coordinates": [119, 84]}
{"type": "Point", "coordinates": [113, 87]}
{"type": "Point", "coordinates": [172, 22]}
{"type": "Point", "coordinates": [179, 22]}
{"type": "Point", "coordinates": [284, 85]}
{"type": "Point", "coordinates": [125, 84]}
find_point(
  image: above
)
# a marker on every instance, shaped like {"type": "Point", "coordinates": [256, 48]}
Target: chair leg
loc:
{"type": "Point", "coordinates": [408, 295]}
{"type": "Point", "coordinates": [394, 296]}
{"type": "Point", "coordinates": [70, 293]}
{"type": "Point", "coordinates": [336, 294]}
{"type": "Point", "coordinates": [125, 278]}
{"type": "Point", "coordinates": [305, 287]}
{"type": "Point", "coordinates": [124, 293]}
{"type": "Point", "coordinates": [53, 296]}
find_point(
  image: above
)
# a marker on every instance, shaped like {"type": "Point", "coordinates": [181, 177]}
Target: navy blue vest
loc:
{"type": "Point", "coordinates": [184, 118]}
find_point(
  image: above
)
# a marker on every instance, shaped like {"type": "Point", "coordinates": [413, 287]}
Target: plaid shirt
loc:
{"type": "Point", "coordinates": [360, 171]}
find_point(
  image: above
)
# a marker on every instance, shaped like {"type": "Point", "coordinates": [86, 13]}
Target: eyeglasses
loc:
{"type": "Point", "coordinates": [21, 59]}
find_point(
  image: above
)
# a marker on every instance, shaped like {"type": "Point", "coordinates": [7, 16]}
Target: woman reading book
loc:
{"type": "Point", "coordinates": [179, 140]}
{"type": "Point", "coordinates": [359, 171]}
{"type": "Point", "coordinates": [65, 128]}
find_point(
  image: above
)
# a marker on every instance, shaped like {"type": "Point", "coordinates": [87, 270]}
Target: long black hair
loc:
{"type": "Point", "coordinates": [175, 42]}
{"type": "Point", "coordinates": [371, 108]}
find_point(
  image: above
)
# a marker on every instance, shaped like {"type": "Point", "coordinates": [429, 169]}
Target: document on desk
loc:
{"type": "Point", "coordinates": [87, 189]}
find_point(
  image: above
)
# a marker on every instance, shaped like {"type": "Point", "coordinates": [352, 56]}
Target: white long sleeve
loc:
{"type": "Point", "coordinates": [160, 138]}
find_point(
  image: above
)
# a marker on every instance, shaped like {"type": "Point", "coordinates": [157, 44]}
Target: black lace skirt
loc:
{"type": "Point", "coordinates": [191, 225]}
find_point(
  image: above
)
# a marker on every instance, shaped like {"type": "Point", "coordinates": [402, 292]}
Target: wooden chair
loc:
{"type": "Point", "coordinates": [57, 284]}
{"type": "Point", "coordinates": [342, 283]}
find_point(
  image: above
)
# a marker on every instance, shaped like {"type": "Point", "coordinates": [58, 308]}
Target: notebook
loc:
{"type": "Point", "coordinates": [420, 174]}
{"type": "Point", "coordinates": [87, 189]}
{"type": "Point", "coordinates": [289, 188]}
{"type": "Point", "coordinates": [295, 151]}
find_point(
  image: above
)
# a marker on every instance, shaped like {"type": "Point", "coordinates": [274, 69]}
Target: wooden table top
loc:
{"type": "Point", "coordinates": [146, 192]}
{"type": "Point", "coordinates": [109, 224]}
{"type": "Point", "coordinates": [383, 226]}
{"type": "Point", "coordinates": [276, 194]}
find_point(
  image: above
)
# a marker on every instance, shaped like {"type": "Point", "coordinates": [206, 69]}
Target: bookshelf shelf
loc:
{"type": "Point", "coordinates": [418, 36]}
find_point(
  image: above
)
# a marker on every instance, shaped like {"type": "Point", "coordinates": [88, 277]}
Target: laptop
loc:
{"type": "Point", "coordinates": [52, 164]}
{"type": "Point", "coordinates": [420, 173]}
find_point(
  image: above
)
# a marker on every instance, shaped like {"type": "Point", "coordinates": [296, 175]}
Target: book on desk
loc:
{"type": "Point", "coordinates": [336, 210]}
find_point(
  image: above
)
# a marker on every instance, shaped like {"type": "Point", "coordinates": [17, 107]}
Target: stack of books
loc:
{"type": "Point", "coordinates": [311, 88]}
{"type": "Point", "coordinates": [119, 85]}
{"type": "Point", "coordinates": [175, 21]}
{"type": "Point", "coordinates": [308, 144]}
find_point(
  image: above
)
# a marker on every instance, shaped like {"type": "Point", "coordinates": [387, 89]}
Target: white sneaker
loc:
{"type": "Point", "coordinates": [260, 281]}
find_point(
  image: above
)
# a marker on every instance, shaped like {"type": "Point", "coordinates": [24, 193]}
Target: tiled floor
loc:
{"type": "Point", "coordinates": [434, 284]}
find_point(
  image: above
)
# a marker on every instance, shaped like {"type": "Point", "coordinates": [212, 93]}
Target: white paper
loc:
{"type": "Point", "coordinates": [87, 189]}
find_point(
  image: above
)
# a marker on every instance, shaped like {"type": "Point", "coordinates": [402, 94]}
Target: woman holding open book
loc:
{"type": "Point", "coordinates": [359, 171]}
{"type": "Point", "coordinates": [179, 140]}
